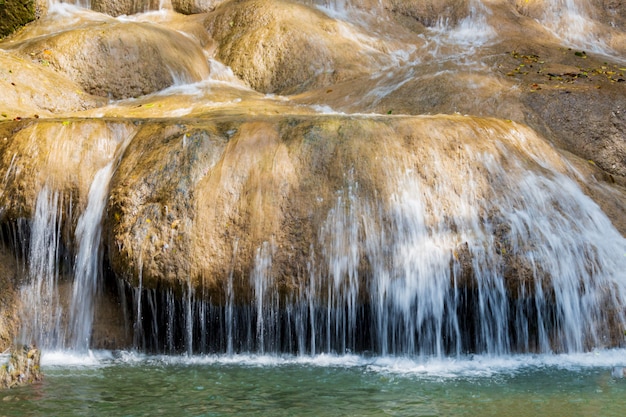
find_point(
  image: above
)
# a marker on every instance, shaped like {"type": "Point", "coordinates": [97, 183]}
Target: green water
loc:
{"type": "Point", "coordinates": [133, 385]}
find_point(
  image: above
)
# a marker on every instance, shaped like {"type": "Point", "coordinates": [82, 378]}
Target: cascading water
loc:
{"type": "Point", "coordinates": [484, 253]}
{"type": "Point", "coordinates": [573, 23]}
{"type": "Point", "coordinates": [489, 250]}
{"type": "Point", "coordinates": [58, 312]}
{"type": "Point", "coordinates": [569, 20]}
{"type": "Point", "coordinates": [88, 260]}
{"type": "Point", "coordinates": [43, 312]}
{"type": "Point", "coordinates": [421, 249]}
{"type": "Point", "coordinates": [85, 4]}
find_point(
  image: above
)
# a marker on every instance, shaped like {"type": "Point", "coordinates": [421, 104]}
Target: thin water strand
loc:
{"type": "Point", "coordinates": [88, 260]}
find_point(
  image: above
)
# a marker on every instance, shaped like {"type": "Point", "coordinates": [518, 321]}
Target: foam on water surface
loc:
{"type": "Point", "coordinates": [471, 366]}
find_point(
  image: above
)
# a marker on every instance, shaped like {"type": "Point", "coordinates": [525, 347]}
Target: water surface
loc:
{"type": "Point", "coordinates": [129, 384]}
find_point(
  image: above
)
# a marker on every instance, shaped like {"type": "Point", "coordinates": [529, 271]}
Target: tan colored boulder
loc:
{"type": "Point", "coordinates": [192, 204]}
{"type": "Point", "coordinates": [120, 59]}
{"type": "Point", "coordinates": [284, 47]}
{"type": "Point", "coordinates": [33, 89]}
{"type": "Point", "coordinates": [35, 154]}
{"type": "Point", "coordinates": [430, 12]}
{"type": "Point", "coordinates": [124, 7]}
{"type": "Point", "coordinates": [195, 6]}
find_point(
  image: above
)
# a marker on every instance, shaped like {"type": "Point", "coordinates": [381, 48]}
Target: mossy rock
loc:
{"type": "Point", "coordinates": [15, 14]}
{"type": "Point", "coordinates": [22, 367]}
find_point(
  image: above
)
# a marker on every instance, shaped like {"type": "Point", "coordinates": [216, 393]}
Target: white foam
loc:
{"type": "Point", "coordinates": [486, 366]}
{"type": "Point", "coordinates": [324, 109]}
{"type": "Point", "coordinates": [472, 366]}
{"type": "Point", "coordinates": [70, 359]}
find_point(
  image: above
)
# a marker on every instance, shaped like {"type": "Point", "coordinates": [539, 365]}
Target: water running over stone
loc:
{"type": "Point", "coordinates": [239, 221]}
{"type": "Point", "coordinates": [58, 312]}
{"type": "Point", "coordinates": [436, 244]}
{"type": "Point", "coordinates": [88, 264]}
{"type": "Point", "coordinates": [41, 298]}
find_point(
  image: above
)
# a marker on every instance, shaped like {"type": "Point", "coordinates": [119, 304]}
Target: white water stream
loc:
{"type": "Point", "coordinates": [50, 322]}
{"type": "Point", "coordinates": [88, 262]}
{"type": "Point", "coordinates": [42, 310]}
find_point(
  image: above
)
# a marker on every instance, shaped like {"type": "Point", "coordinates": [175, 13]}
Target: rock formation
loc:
{"type": "Point", "coordinates": [14, 14]}
{"type": "Point", "coordinates": [21, 368]}
{"type": "Point", "coordinates": [272, 150]}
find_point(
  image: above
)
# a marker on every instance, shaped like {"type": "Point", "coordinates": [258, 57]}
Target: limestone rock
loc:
{"type": "Point", "coordinates": [590, 124]}
{"type": "Point", "coordinates": [195, 6]}
{"type": "Point", "coordinates": [124, 7]}
{"type": "Point", "coordinates": [32, 89]}
{"type": "Point", "coordinates": [35, 154]}
{"type": "Point", "coordinates": [22, 367]}
{"type": "Point", "coordinates": [120, 59]}
{"type": "Point", "coordinates": [195, 203]}
{"type": "Point", "coordinates": [9, 301]}
{"type": "Point", "coordinates": [430, 12]}
{"type": "Point", "coordinates": [284, 47]}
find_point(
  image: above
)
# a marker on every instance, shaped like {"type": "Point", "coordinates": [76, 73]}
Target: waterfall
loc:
{"type": "Point", "coordinates": [473, 240]}
{"type": "Point", "coordinates": [470, 32]}
{"type": "Point", "coordinates": [63, 264]}
{"type": "Point", "coordinates": [88, 260]}
{"type": "Point", "coordinates": [488, 249]}
{"type": "Point", "coordinates": [42, 310]}
{"type": "Point", "coordinates": [85, 4]}
{"type": "Point", "coordinates": [265, 298]}
{"type": "Point", "coordinates": [570, 22]}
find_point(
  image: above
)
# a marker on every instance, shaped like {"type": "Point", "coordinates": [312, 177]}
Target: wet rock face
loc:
{"type": "Point", "coordinates": [120, 59]}
{"type": "Point", "coordinates": [283, 47]}
{"type": "Point", "coordinates": [599, 136]}
{"type": "Point", "coordinates": [9, 303]}
{"type": "Point", "coordinates": [32, 89]}
{"type": "Point", "coordinates": [224, 190]}
{"type": "Point", "coordinates": [430, 12]}
{"type": "Point", "coordinates": [195, 6]}
{"type": "Point", "coordinates": [123, 7]}
{"type": "Point", "coordinates": [22, 367]}
{"type": "Point", "coordinates": [15, 14]}
{"type": "Point", "coordinates": [152, 202]}
{"type": "Point", "coordinates": [35, 155]}
{"type": "Point", "coordinates": [611, 12]}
